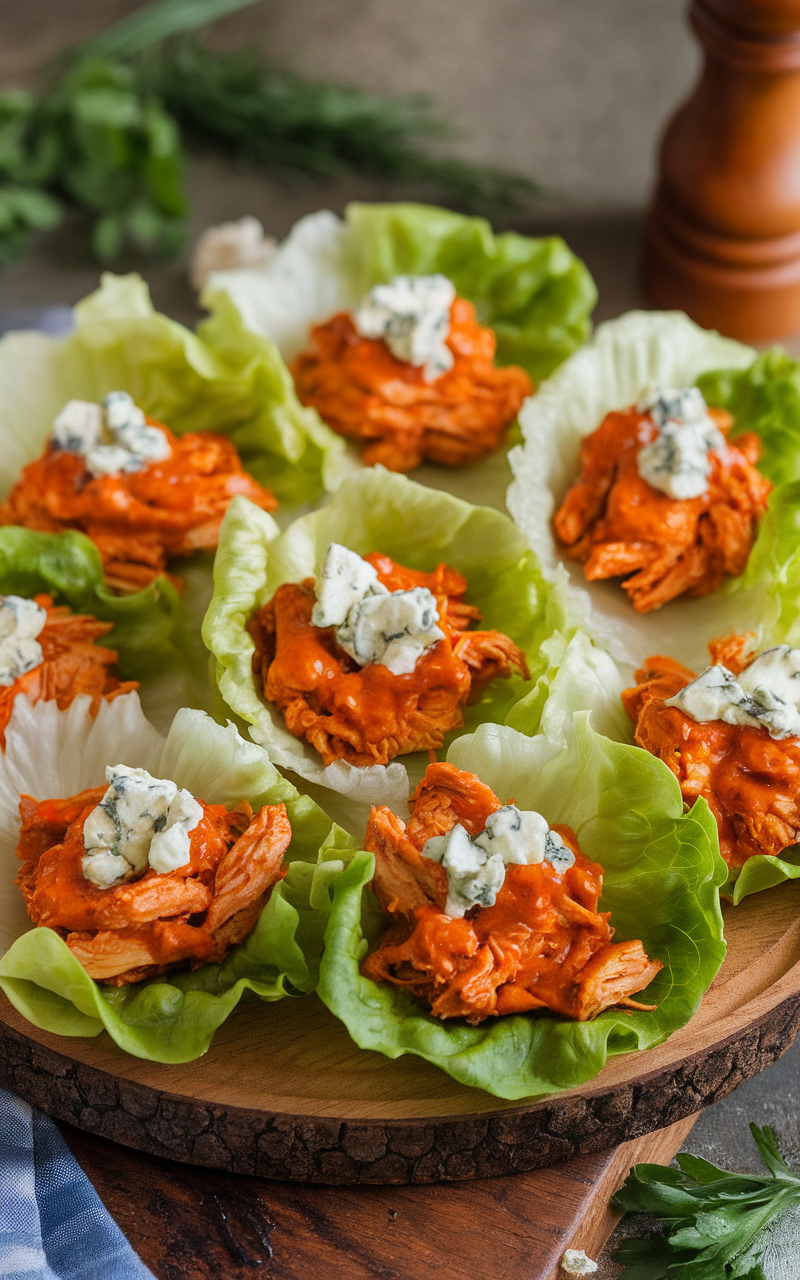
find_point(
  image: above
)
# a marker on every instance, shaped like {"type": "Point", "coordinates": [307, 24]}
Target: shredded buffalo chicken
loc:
{"type": "Point", "coordinates": [618, 525]}
{"type": "Point", "coordinates": [133, 930]}
{"type": "Point", "coordinates": [138, 520]}
{"type": "Point", "coordinates": [71, 664]}
{"type": "Point", "coordinates": [543, 945]}
{"type": "Point", "coordinates": [362, 391]}
{"type": "Point", "coordinates": [750, 780]}
{"type": "Point", "coordinates": [366, 715]}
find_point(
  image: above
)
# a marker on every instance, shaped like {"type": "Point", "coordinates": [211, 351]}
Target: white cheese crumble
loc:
{"type": "Point", "coordinates": [476, 867]}
{"type": "Point", "coordinates": [229, 246]}
{"type": "Point", "coordinates": [111, 437]}
{"type": "Point", "coordinates": [576, 1263]}
{"type": "Point", "coordinates": [412, 316]}
{"type": "Point", "coordinates": [141, 820]}
{"type": "Point", "coordinates": [677, 462]}
{"type": "Point", "coordinates": [373, 624]}
{"type": "Point", "coordinates": [767, 693]}
{"type": "Point", "coordinates": [21, 622]}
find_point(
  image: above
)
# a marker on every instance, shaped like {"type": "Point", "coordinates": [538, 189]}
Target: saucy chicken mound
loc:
{"type": "Point", "coordinates": [130, 931]}
{"type": "Point", "coordinates": [138, 520]}
{"type": "Point", "coordinates": [542, 945]}
{"type": "Point", "coordinates": [617, 524]}
{"type": "Point", "coordinates": [363, 392]}
{"type": "Point", "coordinates": [750, 781]}
{"type": "Point", "coordinates": [71, 664]}
{"type": "Point", "coordinates": [366, 715]}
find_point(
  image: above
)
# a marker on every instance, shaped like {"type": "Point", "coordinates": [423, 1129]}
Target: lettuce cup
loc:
{"type": "Point", "coordinates": [477, 973]}
{"type": "Point", "coordinates": [166, 876]}
{"type": "Point", "coordinates": [224, 379]}
{"type": "Point", "coordinates": [696, 407]}
{"type": "Point", "coordinates": [412, 329]}
{"type": "Point", "coordinates": [371, 633]}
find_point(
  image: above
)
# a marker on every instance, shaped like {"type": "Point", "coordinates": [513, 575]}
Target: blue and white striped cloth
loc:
{"type": "Point", "coordinates": [53, 1225]}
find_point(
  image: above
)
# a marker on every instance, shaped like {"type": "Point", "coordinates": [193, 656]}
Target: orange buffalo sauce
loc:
{"type": "Point", "coordinates": [71, 664]}
{"type": "Point", "coordinates": [366, 715]}
{"type": "Point", "coordinates": [362, 391]}
{"type": "Point", "coordinates": [133, 930]}
{"type": "Point", "coordinates": [543, 944]}
{"type": "Point", "coordinates": [618, 525]}
{"type": "Point", "coordinates": [750, 781]}
{"type": "Point", "coordinates": [138, 520]}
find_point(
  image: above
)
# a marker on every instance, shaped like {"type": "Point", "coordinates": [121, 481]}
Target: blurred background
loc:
{"type": "Point", "coordinates": [573, 95]}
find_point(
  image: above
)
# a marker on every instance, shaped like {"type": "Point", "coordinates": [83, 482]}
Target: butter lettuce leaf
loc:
{"type": "Point", "coordinates": [611, 372]}
{"type": "Point", "coordinates": [376, 510]}
{"type": "Point", "coordinates": [763, 871]}
{"type": "Point", "coordinates": [661, 883]}
{"type": "Point", "coordinates": [223, 378]}
{"type": "Point", "coordinates": [533, 292]}
{"type": "Point", "coordinates": [170, 1018]}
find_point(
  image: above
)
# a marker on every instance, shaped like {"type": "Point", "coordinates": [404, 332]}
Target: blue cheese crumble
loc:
{"type": "Point", "coordinates": [476, 866]}
{"type": "Point", "coordinates": [21, 622]}
{"type": "Point", "coordinates": [766, 694]}
{"type": "Point", "coordinates": [373, 624]}
{"type": "Point", "coordinates": [112, 437]}
{"type": "Point", "coordinates": [140, 821]}
{"type": "Point", "coordinates": [412, 316]}
{"type": "Point", "coordinates": [677, 461]}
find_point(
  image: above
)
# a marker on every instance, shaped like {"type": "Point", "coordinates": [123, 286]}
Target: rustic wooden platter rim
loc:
{"type": "Point", "coordinates": [284, 1093]}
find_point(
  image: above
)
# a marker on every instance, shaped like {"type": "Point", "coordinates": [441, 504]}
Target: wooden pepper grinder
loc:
{"type": "Point", "coordinates": [723, 234]}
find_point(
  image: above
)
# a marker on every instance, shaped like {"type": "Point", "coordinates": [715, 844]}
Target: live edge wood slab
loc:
{"type": "Point", "coordinates": [284, 1093]}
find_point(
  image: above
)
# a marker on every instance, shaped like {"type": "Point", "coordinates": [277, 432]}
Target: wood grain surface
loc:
{"type": "Point", "coordinates": [193, 1224]}
{"type": "Point", "coordinates": [284, 1092]}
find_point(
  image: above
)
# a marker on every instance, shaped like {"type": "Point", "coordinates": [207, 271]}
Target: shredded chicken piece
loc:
{"type": "Point", "coordinates": [72, 664]}
{"type": "Point", "coordinates": [616, 524]}
{"type": "Point", "coordinates": [134, 930]}
{"type": "Point", "coordinates": [362, 391]}
{"type": "Point", "coordinates": [366, 715]}
{"type": "Point", "coordinates": [542, 945]}
{"type": "Point", "coordinates": [750, 781]}
{"type": "Point", "coordinates": [138, 520]}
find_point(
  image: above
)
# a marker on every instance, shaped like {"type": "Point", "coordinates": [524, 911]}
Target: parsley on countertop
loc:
{"type": "Point", "coordinates": [714, 1221]}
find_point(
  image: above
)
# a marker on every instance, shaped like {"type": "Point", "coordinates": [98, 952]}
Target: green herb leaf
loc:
{"type": "Point", "coordinates": [292, 126]}
{"type": "Point", "coordinates": [153, 23]}
{"type": "Point", "coordinates": [714, 1219]}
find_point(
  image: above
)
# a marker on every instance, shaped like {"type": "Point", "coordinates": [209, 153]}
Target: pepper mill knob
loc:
{"type": "Point", "coordinates": [723, 233]}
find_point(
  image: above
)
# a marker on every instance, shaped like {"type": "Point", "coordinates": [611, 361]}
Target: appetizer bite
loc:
{"type": "Point", "coordinates": [494, 953]}
{"type": "Point", "coordinates": [410, 374]}
{"type": "Point", "coordinates": [372, 660]}
{"type": "Point", "coordinates": [732, 736]}
{"type": "Point", "coordinates": [194, 876]}
{"type": "Point", "coordinates": [142, 876]}
{"type": "Point", "coordinates": [349, 640]}
{"type": "Point", "coordinates": [664, 500]}
{"type": "Point", "coordinates": [143, 495]}
{"type": "Point", "coordinates": [47, 652]}
{"type": "Point", "coordinates": [493, 911]}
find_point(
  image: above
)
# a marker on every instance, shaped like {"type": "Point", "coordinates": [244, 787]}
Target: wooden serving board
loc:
{"type": "Point", "coordinates": [284, 1093]}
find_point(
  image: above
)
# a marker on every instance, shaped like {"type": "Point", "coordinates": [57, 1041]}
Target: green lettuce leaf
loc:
{"type": "Point", "coordinates": [764, 397]}
{"type": "Point", "coordinates": [662, 872]}
{"type": "Point", "coordinates": [534, 293]}
{"type": "Point", "coordinates": [173, 1017]}
{"type": "Point", "coordinates": [611, 372]}
{"type": "Point", "coordinates": [223, 379]}
{"type": "Point", "coordinates": [377, 511]}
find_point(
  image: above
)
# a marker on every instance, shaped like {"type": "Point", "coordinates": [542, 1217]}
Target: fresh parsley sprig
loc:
{"type": "Point", "coordinates": [714, 1220]}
